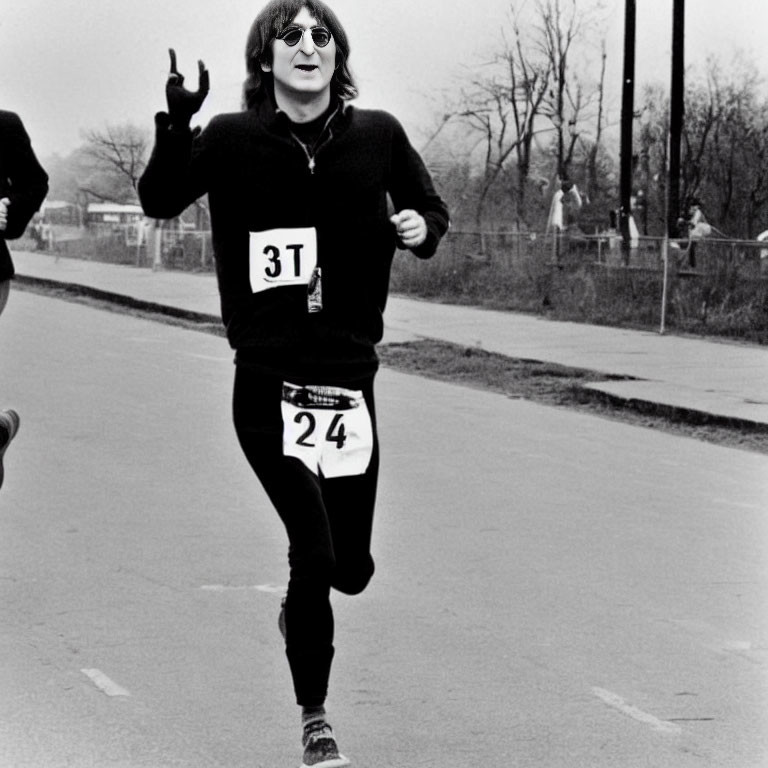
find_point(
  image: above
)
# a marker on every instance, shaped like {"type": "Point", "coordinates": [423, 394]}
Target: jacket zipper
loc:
{"type": "Point", "coordinates": [311, 154]}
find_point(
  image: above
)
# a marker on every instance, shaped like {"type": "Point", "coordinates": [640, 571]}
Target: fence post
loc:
{"type": "Point", "coordinates": [664, 283]}
{"type": "Point", "coordinates": [157, 256]}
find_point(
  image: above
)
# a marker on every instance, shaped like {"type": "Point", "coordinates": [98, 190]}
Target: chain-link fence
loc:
{"type": "Point", "coordinates": [707, 286]}
{"type": "Point", "coordinates": [140, 244]}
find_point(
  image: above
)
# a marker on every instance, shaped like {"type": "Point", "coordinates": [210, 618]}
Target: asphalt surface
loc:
{"type": "Point", "coordinates": [724, 380]}
{"type": "Point", "coordinates": [553, 589]}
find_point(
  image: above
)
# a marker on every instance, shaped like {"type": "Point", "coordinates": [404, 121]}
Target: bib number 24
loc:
{"type": "Point", "coordinates": [336, 433]}
{"type": "Point", "coordinates": [328, 429]}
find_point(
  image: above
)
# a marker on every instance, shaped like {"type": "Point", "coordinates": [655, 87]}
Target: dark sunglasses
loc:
{"type": "Point", "coordinates": [294, 35]}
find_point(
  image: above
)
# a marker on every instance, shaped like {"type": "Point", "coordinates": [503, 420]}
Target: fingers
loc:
{"type": "Point", "coordinates": [405, 220]}
{"type": "Point", "coordinates": [399, 219]}
{"type": "Point", "coordinates": [174, 77]}
{"type": "Point", "coordinates": [411, 227]}
{"type": "Point", "coordinates": [204, 79]}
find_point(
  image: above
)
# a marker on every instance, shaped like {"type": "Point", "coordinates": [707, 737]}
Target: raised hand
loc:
{"type": "Point", "coordinates": [182, 104]}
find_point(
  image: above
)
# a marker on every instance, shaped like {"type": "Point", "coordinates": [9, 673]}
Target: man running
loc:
{"type": "Point", "coordinates": [298, 185]}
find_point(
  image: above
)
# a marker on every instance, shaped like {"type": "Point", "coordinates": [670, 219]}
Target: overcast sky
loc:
{"type": "Point", "coordinates": [73, 64]}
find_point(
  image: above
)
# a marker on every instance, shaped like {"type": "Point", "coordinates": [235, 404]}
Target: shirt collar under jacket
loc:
{"type": "Point", "coordinates": [276, 120]}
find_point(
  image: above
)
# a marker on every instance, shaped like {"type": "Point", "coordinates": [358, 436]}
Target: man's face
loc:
{"type": "Point", "coordinates": [304, 69]}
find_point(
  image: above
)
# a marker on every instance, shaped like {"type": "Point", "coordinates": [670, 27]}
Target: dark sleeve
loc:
{"type": "Point", "coordinates": [411, 186]}
{"type": "Point", "coordinates": [175, 174]}
{"type": "Point", "coordinates": [27, 182]}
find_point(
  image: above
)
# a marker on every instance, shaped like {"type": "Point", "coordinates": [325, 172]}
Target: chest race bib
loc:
{"type": "Point", "coordinates": [281, 257]}
{"type": "Point", "coordinates": [328, 429]}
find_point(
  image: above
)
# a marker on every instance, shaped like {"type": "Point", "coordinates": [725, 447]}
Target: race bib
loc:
{"type": "Point", "coordinates": [327, 428]}
{"type": "Point", "coordinates": [279, 257]}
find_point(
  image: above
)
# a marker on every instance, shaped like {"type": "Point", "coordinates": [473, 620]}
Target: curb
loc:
{"type": "Point", "coordinates": [121, 300]}
{"type": "Point", "coordinates": [678, 413]}
{"type": "Point", "coordinates": [212, 324]}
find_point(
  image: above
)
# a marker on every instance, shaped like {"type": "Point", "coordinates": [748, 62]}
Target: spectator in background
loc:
{"type": "Point", "coordinates": [566, 202]}
{"type": "Point", "coordinates": [697, 228]}
{"type": "Point", "coordinates": [23, 186]}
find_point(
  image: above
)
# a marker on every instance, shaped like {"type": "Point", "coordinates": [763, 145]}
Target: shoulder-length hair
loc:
{"type": "Point", "coordinates": [275, 17]}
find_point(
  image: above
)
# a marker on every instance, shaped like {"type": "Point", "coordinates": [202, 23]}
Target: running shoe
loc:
{"type": "Point", "coordinates": [9, 426]}
{"type": "Point", "coordinates": [320, 750]}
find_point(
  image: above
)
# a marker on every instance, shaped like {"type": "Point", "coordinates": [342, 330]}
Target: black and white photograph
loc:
{"type": "Point", "coordinates": [384, 385]}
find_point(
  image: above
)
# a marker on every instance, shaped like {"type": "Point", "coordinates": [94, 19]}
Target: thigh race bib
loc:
{"type": "Point", "coordinates": [279, 257]}
{"type": "Point", "coordinates": [327, 428]}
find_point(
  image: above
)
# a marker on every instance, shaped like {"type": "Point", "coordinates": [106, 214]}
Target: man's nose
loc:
{"type": "Point", "coordinates": [307, 43]}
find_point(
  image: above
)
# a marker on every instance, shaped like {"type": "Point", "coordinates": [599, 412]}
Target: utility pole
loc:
{"type": "Point", "coordinates": [627, 117]}
{"type": "Point", "coordinates": [676, 114]}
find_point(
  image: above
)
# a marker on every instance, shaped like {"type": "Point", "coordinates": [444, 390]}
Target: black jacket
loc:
{"type": "Point", "coordinates": [259, 177]}
{"type": "Point", "coordinates": [22, 181]}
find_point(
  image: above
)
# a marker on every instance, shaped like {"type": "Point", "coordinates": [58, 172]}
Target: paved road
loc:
{"type": "Point", "coordinates": [554, 589]}
{"type": "Point", "coordinates": [725, 380]}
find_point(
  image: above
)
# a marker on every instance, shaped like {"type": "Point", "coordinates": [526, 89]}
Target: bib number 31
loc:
{"type": "Point", "coordinates": [327, 428]}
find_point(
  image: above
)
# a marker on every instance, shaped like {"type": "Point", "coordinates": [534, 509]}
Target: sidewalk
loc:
{"type": "Point", "coordinates": [724, 380]}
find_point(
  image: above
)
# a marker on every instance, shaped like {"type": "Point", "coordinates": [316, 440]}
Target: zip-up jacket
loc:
{"type": "Point", "coordinates": [272, 201]}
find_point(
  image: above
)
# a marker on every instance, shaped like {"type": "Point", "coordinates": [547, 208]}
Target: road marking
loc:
{"type": "Point", "coordinates": [615, 701]}
{"type": "Point", "coordinates": [104, 684]}
{"type": "Point", "coordinates": [210, 358]}
{"type": "Point", "coordinates": [269, 588]}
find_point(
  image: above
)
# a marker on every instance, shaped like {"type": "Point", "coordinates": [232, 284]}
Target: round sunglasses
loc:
{"type": "Point", "coordinates": [294, 35]}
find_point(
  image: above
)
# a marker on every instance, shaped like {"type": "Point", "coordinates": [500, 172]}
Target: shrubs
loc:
{"type": "Point", "coordinates": [585, 279]}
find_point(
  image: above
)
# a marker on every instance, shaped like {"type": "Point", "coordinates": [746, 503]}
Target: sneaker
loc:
{"type": "Point", "coordinates": [281, 618]}
{"type": "Point", "coordinates": [320, 750]}
{"type": "Point", "coordinates": [9, 426]}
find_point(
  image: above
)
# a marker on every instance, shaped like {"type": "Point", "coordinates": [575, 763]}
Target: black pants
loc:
{"type": "Point", "coordinates": [328, 521]}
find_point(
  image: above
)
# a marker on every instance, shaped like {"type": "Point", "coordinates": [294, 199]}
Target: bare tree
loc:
{"type": "Point", "coordinates": [489, 114]}
{"type": "Point", "coordinates": [117, 155]}
{"type": "Point", "coordinates": [594, 146]}
{"type": "Point", "coordinates": [529, 82]}
{"type": "Point", "coordinates": [725, 148]}
{"type": "Point", "coordinates": [558, 28]}
{"type": "Point", "coordinates": [502, 108]}
{"type": "Point", "coordinates": [732, 169]}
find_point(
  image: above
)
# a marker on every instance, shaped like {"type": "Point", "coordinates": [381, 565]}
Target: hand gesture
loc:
{"type": "Point", "coordinates": [411, 227]}
{"type": "Point", "coordinates": [182, 104]}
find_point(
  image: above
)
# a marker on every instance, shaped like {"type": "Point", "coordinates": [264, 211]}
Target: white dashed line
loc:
{"type": "Point", "coordinates": [104, 684]}
{"type": "Point", "coordinates": [615, 701]}
{"type": "Point", "coordinates": [210, 358]}
{"type": "Point", "coordinates": [270, 588]}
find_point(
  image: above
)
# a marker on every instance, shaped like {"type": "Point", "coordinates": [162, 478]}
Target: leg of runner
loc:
{"type": "Point", "coordinates": [9, 420]}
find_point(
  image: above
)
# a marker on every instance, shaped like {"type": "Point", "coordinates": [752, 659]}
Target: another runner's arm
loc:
{"type": "Point", "coordinates": [27, 183]}
{"type": "Point", "coordinates": [174, 177]}
{"type": "Point", "coordinates": [411, 188]}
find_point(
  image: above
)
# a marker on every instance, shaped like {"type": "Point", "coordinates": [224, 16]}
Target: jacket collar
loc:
{"type": "Point", "coordinates": [274, 119]}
